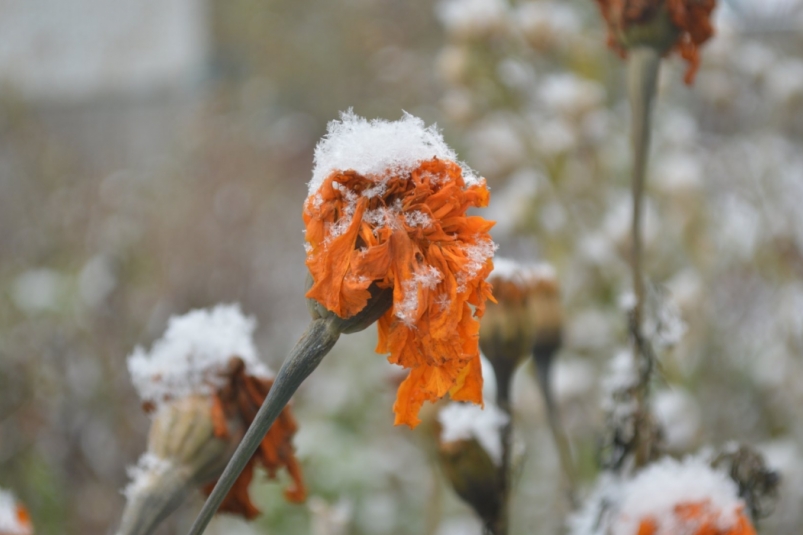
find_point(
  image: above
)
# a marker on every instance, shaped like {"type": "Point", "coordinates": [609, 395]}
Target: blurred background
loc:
{"type": "Point", "coordinates": [154, 158]}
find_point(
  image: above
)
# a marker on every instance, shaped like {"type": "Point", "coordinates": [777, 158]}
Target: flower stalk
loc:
{"type": "Point", "coordinates": [504, 376]}
{"type": "Point", "coordinates": [544, 355]}
{"type": "Point", "coordinates": [642, 74]}
{"type": "Point", "coordinates": [315, 343]}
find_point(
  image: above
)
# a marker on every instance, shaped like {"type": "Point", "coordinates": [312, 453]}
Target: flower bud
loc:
{"type": "Point", "coordinates": [184, 451]}
{"type": "Point", "coordinates": [470, 455]}
{"type": "Point", "coordinates": [527, 317]}
{"type": "Point", "coordinates": [664, 25]}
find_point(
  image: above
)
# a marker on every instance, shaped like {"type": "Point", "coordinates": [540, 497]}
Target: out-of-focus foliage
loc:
{"type": "Point", "coordinates": [119, 210]}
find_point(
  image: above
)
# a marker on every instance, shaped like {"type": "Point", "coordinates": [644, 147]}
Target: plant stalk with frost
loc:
{"type": "Point", "coordinates": [388, 241]}
{"type": "Point", "coordinates": [643, 31]}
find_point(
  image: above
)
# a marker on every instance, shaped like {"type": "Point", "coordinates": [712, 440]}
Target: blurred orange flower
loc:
{"type": "Point", "coordinates": [699, 518]}
{"type": "Point", "coordinates": [240, 398]}
{"type": "Point", "coordinates": [691, 18]}
{"type": "Point", "coordinates": [408, 230]}
{"type": "Point", "coordinates": [14, 517]}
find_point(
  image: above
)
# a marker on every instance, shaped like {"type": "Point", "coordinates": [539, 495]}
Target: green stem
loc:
{"type": "Point", "coordinates": [316, 342]}
{"type": "Point", "coordinates": [642, 76]}
{"type": "Point", "coordinates": [504, 375]}
{"type": "Point", "coordinates": [544, 356]}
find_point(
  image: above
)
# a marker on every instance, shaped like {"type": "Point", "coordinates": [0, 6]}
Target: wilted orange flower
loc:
{"type": "Point", "coordinates": [407, 229]}
{"type": "Point", "coordinates": [691, 19]}
{"type": "Point", "coordinates": [240, 398]}
{"type": "Point", "coordinates": [698, 518]}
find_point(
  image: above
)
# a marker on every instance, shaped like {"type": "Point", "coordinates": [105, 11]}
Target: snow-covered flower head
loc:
{"type": "Point", "coordinates": [387, 210]}
{"type": "Point", "coordinates": [14, 519]}
{"type": "Point", "coordinates": [668, 497]}
{"type": "Point", "coordinates": [681, 25]}
{"type": "Point", "coordinates": [203, 382]}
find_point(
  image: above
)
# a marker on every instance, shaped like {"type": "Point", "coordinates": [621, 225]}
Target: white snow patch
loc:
{"type": "Point", "coordinates": [680, 418]}
{"type": "Point", "coordinates": [523, 275]}
{"type": "Point", "coordinates": [194, 350]}
{"type": "Point", "coordinates": [10, 523]}
{"type": "Point", "coordinates": [472, 18]}
{"type": "Point", "coordinates": [378, 148]}
{"type": "Point", "coordinates": [466, 421]}
{"type": "Point", "coordinates": [145, 473]}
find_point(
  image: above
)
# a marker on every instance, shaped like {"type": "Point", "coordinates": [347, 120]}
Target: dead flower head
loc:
{"type": "Point", "coordinates": [239, 399]}
{"type": "Point", "coordinates": [203, 383]}
{"type": "Point", "coordinates": [680, 25]}
{"type": "Point", "coordinates": [387, 209]}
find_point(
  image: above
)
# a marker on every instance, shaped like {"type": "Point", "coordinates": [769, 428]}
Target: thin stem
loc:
{"type": "Point", "coordinates": [642, 75]}
{"type": "Point", "coordinates": [504, 375]}
{"type": "Point", "coordinates": [544, 357]}
{"type": "Point", "coordinates": [316, 342]}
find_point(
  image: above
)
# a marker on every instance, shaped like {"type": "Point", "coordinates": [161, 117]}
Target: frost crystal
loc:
{"type": "Point", "coordinates": [377, 149]}
{"type": "Point", "coordinates": [193, 352]}
{"type": "Point", "coordinates": [468, 421]}
{"type": "Point", "coordinates": [426, 279]}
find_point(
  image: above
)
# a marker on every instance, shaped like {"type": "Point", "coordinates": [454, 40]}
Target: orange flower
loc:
{"type": "Point", "coordinates": [240, 399]}
{"type": "Point", "coordinates": [691, 20]}
{"type": "Point", "coordinates": [698, 518]}
{"type": "Point", "coordinates": [407, 229]}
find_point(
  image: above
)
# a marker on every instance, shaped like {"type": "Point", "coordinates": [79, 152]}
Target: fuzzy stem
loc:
{"type": "Point", "coordinates": [316, 342]}
{"type": "Point", "coordinates": [642, 75]}
{"type": "Point", "coordinates": [544, 356]}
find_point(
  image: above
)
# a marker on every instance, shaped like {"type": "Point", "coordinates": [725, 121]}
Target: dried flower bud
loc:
{"type": "Point", "coordinates": [14, 519]}
{"type": "Point", "coordinates": [469, 452]}
{"type": "Point", "coordinates": [527, 317]}
{"type": "Point", "coordinates": [183, 452]}
{"type": "Point", "coordinates": [682, 25]}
